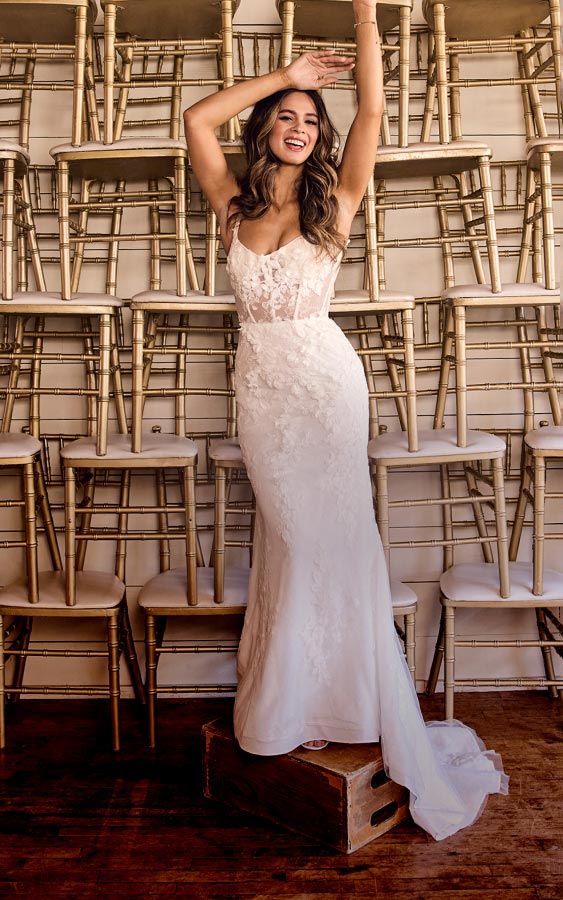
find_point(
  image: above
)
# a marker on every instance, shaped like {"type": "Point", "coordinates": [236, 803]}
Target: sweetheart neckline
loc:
{"type": "Point", "coordinates": [263, 255]}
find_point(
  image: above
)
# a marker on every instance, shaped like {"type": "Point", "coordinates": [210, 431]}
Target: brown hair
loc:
{"type": "Point", "coordinates": [318, 206]}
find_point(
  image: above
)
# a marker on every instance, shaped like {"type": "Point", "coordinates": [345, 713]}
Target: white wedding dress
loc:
{"type": "Point", "coordinates": [319, 657]}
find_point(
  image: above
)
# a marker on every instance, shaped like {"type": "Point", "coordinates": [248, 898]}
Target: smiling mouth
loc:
{"type": "Point", "coordinates": [295, 145]}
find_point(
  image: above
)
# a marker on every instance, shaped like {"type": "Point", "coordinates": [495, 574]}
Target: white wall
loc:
{"type": "Point", "coordinates": [492, 115]}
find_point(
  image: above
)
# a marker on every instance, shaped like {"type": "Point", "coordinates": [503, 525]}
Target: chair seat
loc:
{"type": "Point", "coordinates": [549, 439]}
{"type": "Point", "coordinates": [142, 142]}
{"type": "Point", "coordinates": [551, 145]}
{"type": "Point", "coordinates": [435, 445]}
{"type": "Point", "coordinates": [333, 20]}
{"type": "Point", "coordinates": [131, 158]}
{"type": "Point", "coordinates": [193, 301]}
{"type": "Point", "coordinates": [97, 593]}
{"type": "Point", "coordinates": [477, 584]}
{"type": "Point", "coordinates": [472, 20]}
{"type": "Point", "coordinates": [429, 159]}
{"type": "Point", "coordinates": [227, 450]}
{"type": "Point", "coordinates": [483, 295]}
{"type": "Point", "coordinates": [51, 302]}
{"type": "Point", "coordinates": [403, 597]}
{"type": "Point", "coordinates": [159, 450]}
{"type": "Point", "coordinates": [162, 20]}
{"type": "Point", "coordinates": [358, 302]}
{"type": "Point", "coordinates": [17, 448]}
{"type": "Point", "coordinates": [9, 147]}
{"type": "Point", "coordinates": [167, 593]}
{"type": "Point", "coordinates": [44, 21]}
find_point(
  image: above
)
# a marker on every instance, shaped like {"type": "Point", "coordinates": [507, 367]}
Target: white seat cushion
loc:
{"type": "Point", "coordinates": [8, 146]}
{"type": "Point", "coordinates": [434, 444]}
{"type": "Point", "coordinates": [170, 590]}
{"type": "Point", "coordinates": [195, 299]}
{"type": "Point", "coordinates": [402, 596]}
{"type": "Point", "coordinates": [517, 292]}
{"type": "Point", "coordinates": [94, 591]}
{"type": "Point", "coordinates": [479, 583]}
{"type": "Point", "coordinates": [164, 449]}
{"type": "Point", "coordinates": [18, 446]}
{"type": "Point", "coordinates": [226, 451]}
{"type": "Point", "coordinates": [549, 438]}
{"type": "Point", "coordinates": [81, 303]}
{"type": "Point", "coordinates": [143, 142]}
{"type": "Point", "coordinates": [361, 299]}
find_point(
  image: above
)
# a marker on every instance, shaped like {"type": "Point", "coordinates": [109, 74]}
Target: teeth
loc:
{"type": "Point", "coordinates": [295, 143]}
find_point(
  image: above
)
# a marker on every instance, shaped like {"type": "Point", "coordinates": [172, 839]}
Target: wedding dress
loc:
{"type": "Point", "coordinates": [319, 657]}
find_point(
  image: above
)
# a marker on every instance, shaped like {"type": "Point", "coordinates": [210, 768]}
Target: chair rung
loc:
{"type": "Point", "coordinates": [66, 654]}
{"type": "Point", "coordinates": [510, 643]}
{"type": "Point", "coordinates": [65, 690]}
{"type": "Point", "coordinates": [199, 648]}
{"type": "Point", "coordinates": [508, 682]}
{"type": "Point", "coordinates": [197, 689]}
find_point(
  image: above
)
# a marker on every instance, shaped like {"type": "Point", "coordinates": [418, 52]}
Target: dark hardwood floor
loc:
{"type": "Point", "coordinates": [78, 822]}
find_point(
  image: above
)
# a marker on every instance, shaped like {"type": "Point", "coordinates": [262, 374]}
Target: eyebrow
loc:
{"type": "Point", "coordinates": [292, 111]}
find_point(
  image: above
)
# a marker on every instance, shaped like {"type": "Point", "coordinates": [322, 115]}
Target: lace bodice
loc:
{"type": "Point", "coordinates": [293, 282]}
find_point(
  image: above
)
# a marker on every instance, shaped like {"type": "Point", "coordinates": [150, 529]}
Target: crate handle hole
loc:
{"type": "Point", "coordinates": [381, 815]}
{"type": "Point", "coordinates": [380, 778]}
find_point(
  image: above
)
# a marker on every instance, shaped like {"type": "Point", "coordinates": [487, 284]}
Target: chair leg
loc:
{"type": "Point", "coordinates": [410, 645]}
{"type": "Point", "coordinates": [436, 660]}
{"type": "Point", "coordinates": [113, 671]}
{"type": "Point", "coordinates": [543, 632]}
{"type": "Point", "coordinates": [449, 661]}
{"type": "Point", "coordinates": [20, 660]}
{"type": "Point", "coordinates": [127, 645]}
{"type": "Point", "coordinates": [150, 678]}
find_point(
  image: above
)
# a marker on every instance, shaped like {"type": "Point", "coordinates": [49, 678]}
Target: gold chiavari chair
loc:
{"type": "Point", "coordinates": [150, 42]}
{"type": "Point", "coordinates": [533, 586]}
{"type": "Point", "coordinates": [461, 30]}
{"type": "Point", "coordinates": [436, 452]}
{"type": "Point", "coordinates": [165, 454]}
{"type": "Point", "coordinates": [70, 596]}
{"type": "Point", "coordinates": [474, 586]}
{"type": "Point", "coordinates": [38, 34]}
{"type": "Point", "coordinates": [20, 459]}
{"type": "Point", "coordinates": [51, 32]}
{"type": "Point", "coordinates": [213, 596]}
{"type": "Point", "coordinates": [38, 325]}
{"type": "Point", "coordinates": [317, 24]}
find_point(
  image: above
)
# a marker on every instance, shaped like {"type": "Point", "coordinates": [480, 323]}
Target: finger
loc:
{"type": "Point", "coordinates": [335, 69]}
{"type": "Point", "coordinates": [327, 55]}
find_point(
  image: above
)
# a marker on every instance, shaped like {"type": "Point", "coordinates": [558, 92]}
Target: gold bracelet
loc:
{"type": "Point", "coordinates": [366, 22]}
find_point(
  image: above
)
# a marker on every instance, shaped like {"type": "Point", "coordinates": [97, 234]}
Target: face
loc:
{"type": "Point", "coordinates": [296, 129]}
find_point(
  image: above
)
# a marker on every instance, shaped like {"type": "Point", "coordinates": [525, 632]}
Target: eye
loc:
{"type": "Point", "coordinates": [285, 118]}
{"type": "Point", "coordinates": [312, 122]}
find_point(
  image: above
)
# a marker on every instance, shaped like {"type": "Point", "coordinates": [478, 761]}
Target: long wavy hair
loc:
{"type": "Point", "coordinates": [318, 206]}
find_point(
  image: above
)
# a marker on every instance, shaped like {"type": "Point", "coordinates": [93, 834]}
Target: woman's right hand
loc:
{"type": "Point", "coordinates": [315, 70]}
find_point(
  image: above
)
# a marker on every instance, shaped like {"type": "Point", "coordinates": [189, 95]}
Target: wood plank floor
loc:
{"type": "Point", "coordinates": [78, 822]}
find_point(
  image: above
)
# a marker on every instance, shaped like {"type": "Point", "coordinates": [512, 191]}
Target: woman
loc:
{"type": "Point", "coordinates": [319, 659]}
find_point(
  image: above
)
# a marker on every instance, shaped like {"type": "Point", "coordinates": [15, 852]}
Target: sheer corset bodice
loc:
{"type": "Point", "coordinates": [293, 282]}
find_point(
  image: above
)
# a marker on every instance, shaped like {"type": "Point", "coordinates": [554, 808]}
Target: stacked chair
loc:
{"type": "Point", "coordinates": [159, 408]}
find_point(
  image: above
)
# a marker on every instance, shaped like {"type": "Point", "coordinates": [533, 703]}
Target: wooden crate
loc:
{"type": "Point", "coordinates": [340, 796]}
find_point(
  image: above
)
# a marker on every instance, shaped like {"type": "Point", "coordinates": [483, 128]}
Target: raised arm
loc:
{"type": "Point", "coordinates": [358, 158]}
{"type": "Point", "coordinates": [309, 71]}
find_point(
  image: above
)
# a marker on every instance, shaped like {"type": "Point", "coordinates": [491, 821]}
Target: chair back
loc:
{"type": "Point", "coordinates": [324, 24]}
{"type": "Point", "coordinates": [36, 38]}
{"type": "Point", "coordinates": [527, 30]}
{"type": "Point", "coordinates": [155, 48]}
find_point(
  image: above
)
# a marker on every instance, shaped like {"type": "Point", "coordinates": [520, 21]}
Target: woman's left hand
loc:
{"type": "Point", "coordinates": [314, 70]}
